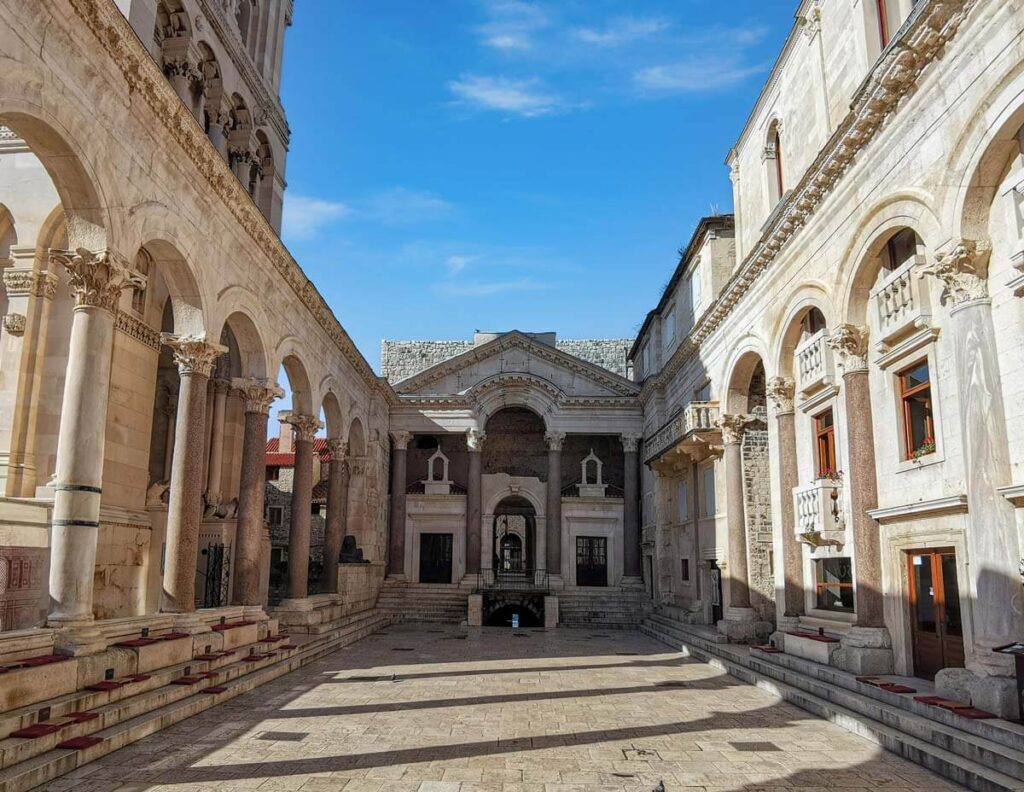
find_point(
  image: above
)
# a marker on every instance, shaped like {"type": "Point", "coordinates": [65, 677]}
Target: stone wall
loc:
{"type": "Point", "coordinates": [400, 360]}
{"type": "Point", "coordinates": [279, 493]}
{"type": "Point", "coordinates": [757, 498]}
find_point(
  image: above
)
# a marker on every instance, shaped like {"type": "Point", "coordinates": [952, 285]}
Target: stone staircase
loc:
{"type": "Point", "coordinates": [604, 608]}
{"type": "Point", "coordinates": [984, 755]}
{"type": "Point", "coordinates": [423, 602]}
{"type": "Point", "coordinates": [60, 734]}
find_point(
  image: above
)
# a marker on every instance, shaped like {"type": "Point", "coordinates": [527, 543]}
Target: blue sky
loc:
{"type": "Point", "coordinates": [500, 164]}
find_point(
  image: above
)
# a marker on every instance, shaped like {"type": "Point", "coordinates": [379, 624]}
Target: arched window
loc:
{"type": "Point", "coordinates": [773, 162]}
{"type": "Point", "coordinates": [813, 321]}
{"type": "Point", "coordinates": [144, 267]}
{"type": "Point", "coordinates": [901, 247]}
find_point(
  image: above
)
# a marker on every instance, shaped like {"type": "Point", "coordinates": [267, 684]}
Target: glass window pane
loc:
{"type": "Point", "coordinates": [835, 584]}
{"type": "Point", "coordinates": [924, 612]}
{"type": "Point", "coordinates": [951, 595]}
{"type": "Point", "coordinates": [918, 375]}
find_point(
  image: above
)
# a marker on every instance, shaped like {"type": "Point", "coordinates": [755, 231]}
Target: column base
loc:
{"type": "Point", "coordinates": [865, 651]}
{"type": "Point", "coordinates": [77, 639]}
{"type": "Point", "coordinates": [475, 610]}
{"type": "Point", "coordinates": [296, 605]}
{"type": "Point", "coordinates": [399, 577]}
{"type": "Point", "coordinates": [785, 624]}
{"type": "Point", "coordinates": [254, 613]}
{"type": "Point", "coordinates": [550, 613]}
{"type": "Point", "coordinates": [191, 623]}
{"type": "Point", "coordinates": [556, 582]}
{"type": "Point", "coordinates": [996, 694]}
{"type": "Point", "coordinates": [741, 625]}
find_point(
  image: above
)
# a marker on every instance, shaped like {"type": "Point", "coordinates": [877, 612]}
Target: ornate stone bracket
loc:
{"type": "Point", "coordinates": [193, 353]}
{"type": "Point", "coordinates": [258, 394]}
{"type": "Point", "coordinates": [850, 345]}
{"type": "Point", "coordinates": [14, 323]}
{"type": "Point", "coordinates": [780, 392]}
{"type": "Point", "coordinates": [97, 277]}
{"type": "Point", "coordinates": [963, 270]}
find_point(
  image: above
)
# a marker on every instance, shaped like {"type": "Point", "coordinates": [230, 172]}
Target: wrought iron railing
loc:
{"type": "Point", "coordinates": [531, 580]}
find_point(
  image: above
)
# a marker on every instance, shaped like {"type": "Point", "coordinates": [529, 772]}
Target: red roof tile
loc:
{"type": "Point", "coordinates": [278, 459]}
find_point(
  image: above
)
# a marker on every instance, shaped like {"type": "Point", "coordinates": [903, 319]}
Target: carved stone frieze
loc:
{"type": "Point", "coordinates": [849, 343]}
{"type": "Point", "coordinates": [963, 270]}
{"type": "Point", "coordinates": [29, 283]}
{"type": "Point", "coordinates": [258, 394]}
{"type": "Point", "coordinates": [133, 327]}
{"type": "Point", "coordinates": [193, 354]}
{"type": "Point", "coordinates": [97, 278]}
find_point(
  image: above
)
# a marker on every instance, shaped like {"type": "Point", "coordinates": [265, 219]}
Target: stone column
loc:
{"type": "Point", "coordinates": [790, 606]}
{"type": "Point", "coordinates": [214, 470]}
{"type": "Point", "coordinates": [396, 539]}
{"type": "Point", "coordinates": [554, 504]}
{"type": "Point", "coordinates": [97, 279]}
{"type": "Point", "coordinates": [258, 395]}
{"type": "Point", "coordinates": [992, 537]}
{"type": "Point", "coordinates": [474, 443]}
{"type": "Point", "coordinates": [739, 582]}
{"type": "Point", "coordinates": [195, 357]}
{"type": "Point", "coordinates": [867, 647]}
{"type": "Point", "coordinates": [631, 571]}
{"type": "Point", "coordinates": [170, 411]}
{"type": "Point", "coordinates": [337, 512]}
{"type": "Point", "coordinates": [306, 427]}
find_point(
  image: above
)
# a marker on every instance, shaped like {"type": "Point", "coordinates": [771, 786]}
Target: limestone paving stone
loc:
{"type": "Point", "coordinates": [560, 711]}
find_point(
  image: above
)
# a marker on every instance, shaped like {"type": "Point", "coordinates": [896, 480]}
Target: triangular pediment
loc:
{"type": "Point", "coordinates": [516, 358]}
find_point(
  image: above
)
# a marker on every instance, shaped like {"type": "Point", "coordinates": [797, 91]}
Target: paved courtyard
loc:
{"type": "Point", "coordinates": [437, 710]}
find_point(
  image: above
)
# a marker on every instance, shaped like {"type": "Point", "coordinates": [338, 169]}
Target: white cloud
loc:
{"type": "Point", "coordinates": [621, 31]}
{"type": "Point", "coordinates": [489, 289]}
{"type": "Point", "coordinates": [512, 24]}
{"type": "Point", "coordinates": [457, 264]}
{"type": "Point", "coordinates": [694, 75]}
{"type": "Point", "coordinates": [304, 217]}
{"type": "Point", "coordinates": [401, 206]}
{"type": "Point", "coordinates": [525, 98]}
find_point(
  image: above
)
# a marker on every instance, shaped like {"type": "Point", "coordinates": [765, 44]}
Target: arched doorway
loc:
{"type": "Point", "coordinates": [514, 538]}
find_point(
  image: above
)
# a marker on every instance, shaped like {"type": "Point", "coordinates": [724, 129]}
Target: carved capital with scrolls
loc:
{"type": "Point", "coordinates": [963, 270]}
{"type": "Point", "coordinates": [305, 426]}
{"type": "Point", "coordinates": [258, 394]}
{"type": "Point", "coordinates": [475, 439]}
{"type": "Point", "coordinates": [401, 440]}
{"type": "Point", "coordinates": [850, 344]}
{"type": "Point", "coordinates": [193, 353]}
{"type": "Point", "coordinates": [97, 278]}
{"type": "Point", "coordinates": [733, 427]}
{"type": "Point", "coordinates": [555, 440]}
{"type": "Point", "coordinates": [630, 442]}
{"type": "Point", "coordinates": [780, 392]}
{"type": "Point", "coordinates": [14, 323]}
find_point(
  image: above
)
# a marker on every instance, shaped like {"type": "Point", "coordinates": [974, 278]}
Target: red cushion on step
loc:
{"type": "Point", "coordinates": [137, 678]}
{"type": "Point", "coordinates": [37, 730]}
{"type": "Point", "coordinates": [208, 657]}
{"type": "Point", "coordinates": [106, 685]}
{"type": "Point", "coordinates": [207, 675]}
{"type": "Point", "coordinates": [78, 743]}
{"type": "Point", "coordinates": [258, 656]}
{"type": "Point", "coordinates": [135, 643]}
{"type": "Point", "coordinates": [939, 701]}
{"type": "Point", "coordinates": [32, 662]}
{"type": "Point", "coordinates": [82, 717]}
{"type": "Point", "coordinates": [974, 714]}
{"type": "Point", "coordinates": [173, 636]}
{"type": "Point", "coordinates": [894, 688]}
{"type": "Point", "coordinates": [187, 680]}
{"type": "Point", "coordinates": [293, 646]}
{"type": "Point", "coordinates": [214, 689]}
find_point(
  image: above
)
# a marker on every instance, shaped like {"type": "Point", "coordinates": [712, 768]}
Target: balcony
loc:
{"type": "Point", "coordinates": [696, 420]}
{"type": "Point", "coordinates": [818, 513]}
{"type": "Point", "coordinates": [902, 303]}
{"type": "Point", "coordinates": [814, 367]}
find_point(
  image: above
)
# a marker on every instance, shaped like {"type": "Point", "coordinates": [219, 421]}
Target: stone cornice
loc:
{"type": "Point", "coordinates": [932, 25]}
{"type": "Point", "coordinates": [145, 79]}
{"type": "Point", "coordinates": [460, 401]}
{"type": "Point", "coordinates": [513, 340]}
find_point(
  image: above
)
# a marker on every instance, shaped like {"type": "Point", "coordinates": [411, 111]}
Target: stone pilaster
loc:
{"type": "Point", "coordinates": [195, 357]}
{"type": "Point", "coordinates": [97, 280]}
{"type": "Point", "coordinates": [306, 427]}
{"type": "Point", "coordinates": [396, 541]}
{"type": "Point", "coordinates": [992, 538]}
{"type": "Point", "coordinates": [215, 468]}
{"type": "Point", "coordinates": [790, 606]}
{"type": "Point", "coordinates": [554, 503]}
{"type": "Point", "coordinates": [337, 512]}
{"type": "Point", "coordinates": [474, 443]}
{"type": "Point", "coordinates": [257, 396]}
{"type": "Point", "coordinates": [632, 574]}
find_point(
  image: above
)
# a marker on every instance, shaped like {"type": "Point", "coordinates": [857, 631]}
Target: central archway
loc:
{"type": "Point", "coordinates": [514, 538]}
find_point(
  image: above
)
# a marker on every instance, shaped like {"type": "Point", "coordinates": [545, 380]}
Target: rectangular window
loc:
{"type": "Point", "coordinates": [916, 403]}
{"type": "Point", "coordinates": [684, 501]}
{"type": "Point", "coordinates": [707, 501]}
{"type": "Point", "coordinates": [646, 359]}
{"type": "Point", "coordinates": [276, 516]}
{"type": "Point", "coordinates": [695, 292]}
{"type": "Point", "coordinates": [273, 473]}
{"type": "Point", "coordinates": [825, 435]}
{"type": "Point", "coordinates": [834, 584]}
{"type": "Point", "coordinates": [685, 570]}
{"type": "Point", "coordinates": [669, 325]}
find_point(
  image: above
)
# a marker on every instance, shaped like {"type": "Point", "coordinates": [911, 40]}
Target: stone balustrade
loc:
{"type": "Point", "coordinates": [902, 303]}
{"type": "Point", "coordinates": [695, 417]}
{"type": "Point", "coordinates": [818, 507]}
{"type": "Point", "coordinates": [815, 368]}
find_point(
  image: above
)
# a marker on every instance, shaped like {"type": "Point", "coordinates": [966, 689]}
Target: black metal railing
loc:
{"type": "Point", "coordinates": [531, 580]}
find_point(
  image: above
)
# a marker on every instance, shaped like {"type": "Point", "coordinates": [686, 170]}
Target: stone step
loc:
{"type": "Point", "coordinates": [118, 732]}
{"type": "Point", "coordinates": [962, 757]}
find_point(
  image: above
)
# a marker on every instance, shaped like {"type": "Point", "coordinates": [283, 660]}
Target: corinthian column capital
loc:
{"type": "Point", "coordinates": [732, 427]}
{"type": "Point", "coordinates": [193, 353]}
{"type": "Point", "coordinates": [475, 439]}
{"type": "Point", "coordinates": [630, 442]}
{"type": "Point", "coordinates": [338, 449]}
{"type": "Point", "coordinates": [963, 270]}
{"type": "Point", "coordinates": [850, 344]}
{"type": "Point", "coordinates": [305, 426]}
{"type": "Point", "coordinates": [555, 440]}
{"type": "Point", "coordinates": [97, 278]}
{"type": "Point", "coordinates": [258, 394]}
{"type": "Point", "coordinates": [401, 439]}
{"type": "Point", "coordinates": [780, 392]}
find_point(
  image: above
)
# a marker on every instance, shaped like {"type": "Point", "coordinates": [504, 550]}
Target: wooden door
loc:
{"type": "Point", "coordinates": [435, 558]}
{"type": "Point", "coordinates": [936, 627]}
{"type": "Point", "coordinates": [591, 561]}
